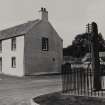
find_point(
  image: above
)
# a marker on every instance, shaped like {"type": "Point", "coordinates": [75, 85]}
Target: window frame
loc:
{"type": "Point", "coordinates": [13, 62]}
{"type": "Point", "coordinates": [0, 45]}
{"type": "Point", "coordinates": [13, 44]}
{"type": "Point", "coordinates": [45, 43]}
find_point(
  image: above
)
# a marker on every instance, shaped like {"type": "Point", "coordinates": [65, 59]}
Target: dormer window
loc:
{"type": "Point", "coordinates": [45, 44]}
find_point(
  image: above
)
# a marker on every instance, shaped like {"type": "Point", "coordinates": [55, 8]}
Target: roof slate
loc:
{"type": "Point", "coordinates": [17, 30]}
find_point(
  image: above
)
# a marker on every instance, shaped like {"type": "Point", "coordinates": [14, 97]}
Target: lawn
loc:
{"type": "Point", "coordinates": [61, 99]}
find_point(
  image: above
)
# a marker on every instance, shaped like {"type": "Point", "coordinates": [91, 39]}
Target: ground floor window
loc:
{"type": "Point", "coordinates": [13, 62]}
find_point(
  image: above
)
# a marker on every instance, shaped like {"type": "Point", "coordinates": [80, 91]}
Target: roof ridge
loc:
{"type": "Point", "coordinates": [18, 29]}
{"type": "Point", "coordinates": [33, 25]}
{"type": "Point", "coordinates": [19, 25]}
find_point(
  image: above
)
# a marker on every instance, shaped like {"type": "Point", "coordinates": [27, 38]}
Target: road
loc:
{"type": "Point", "coordinates": [19, 91]}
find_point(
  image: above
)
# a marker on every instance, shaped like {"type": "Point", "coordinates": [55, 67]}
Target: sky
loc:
{"type": "Point", "coordinates": [69, 17]}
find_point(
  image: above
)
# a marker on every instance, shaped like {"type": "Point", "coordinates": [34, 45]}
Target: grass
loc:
{"type": "Point", "coordinates": [60, 99]}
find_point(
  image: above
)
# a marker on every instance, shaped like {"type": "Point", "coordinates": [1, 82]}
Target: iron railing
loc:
{"type": "Point", "coordinates": [80, 81]}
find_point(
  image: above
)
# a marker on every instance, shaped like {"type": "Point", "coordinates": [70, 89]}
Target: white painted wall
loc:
{"type": "Point", "coordinates": [7, 54]}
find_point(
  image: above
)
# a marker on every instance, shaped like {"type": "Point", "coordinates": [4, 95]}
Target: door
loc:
{"type": "Point", "coordinates": [0, 64]}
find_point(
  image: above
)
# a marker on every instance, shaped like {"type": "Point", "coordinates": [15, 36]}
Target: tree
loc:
{"type": "Point", "coordinates": [80, 45]}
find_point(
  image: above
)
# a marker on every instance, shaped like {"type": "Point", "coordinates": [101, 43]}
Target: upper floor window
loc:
{"type": "Point", "coordinates": [0, 46]}
{"type": "Point", "coordinates": [13, 62]}
{"type": "Point", "coordinates": [13, 43]}
{"type": "Point", "coordinates": [45, 44]}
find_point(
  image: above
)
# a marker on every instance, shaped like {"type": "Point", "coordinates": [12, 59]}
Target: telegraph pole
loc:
{"type": "Point", "coordinates": [95, 57]}
{"type": "Point", "coordinates": [92, 31]}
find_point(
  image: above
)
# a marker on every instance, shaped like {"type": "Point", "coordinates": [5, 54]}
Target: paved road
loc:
{"type": "Point", "coordinates": [19, 91]}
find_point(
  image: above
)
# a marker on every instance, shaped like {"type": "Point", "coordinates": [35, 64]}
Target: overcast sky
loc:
{"type": "Point", "coordinates": [68, 17]}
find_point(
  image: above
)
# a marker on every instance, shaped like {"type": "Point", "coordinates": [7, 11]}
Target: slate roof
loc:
{"type": "Point", "coordinates": [17, 30]}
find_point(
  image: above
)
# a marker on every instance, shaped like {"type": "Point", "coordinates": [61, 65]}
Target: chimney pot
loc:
{"type": "Point", "coordinates": [44, 14]}
{"type": "Point", "coordinates": [45, 9]}
{"type": "Point", "coordinates": [42, 9]}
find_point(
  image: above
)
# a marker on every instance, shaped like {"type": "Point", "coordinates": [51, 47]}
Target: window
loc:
{"type": "Point", "coordinates": [13, 62]}
{"type": "Point", "coordinates": [44, 44]}
{"type": "Point", "coordinates": [0, 64]}
{"type": "Point", "coordinates": [0, 46]}
{"type": "Point", "coordinates": [13, 44]}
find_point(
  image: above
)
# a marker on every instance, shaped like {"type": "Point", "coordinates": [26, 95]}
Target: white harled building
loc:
{"type": "Point", "coordinates": [31, 48]}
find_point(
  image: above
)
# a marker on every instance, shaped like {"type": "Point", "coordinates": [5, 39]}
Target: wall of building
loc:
{"type": "Point", "coordinates": [38, 61]}
{"type": "Point", "coordinates": [7, 54]}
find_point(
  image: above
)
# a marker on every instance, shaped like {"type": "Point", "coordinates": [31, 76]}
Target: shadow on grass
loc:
{"type": "Point", "coordinates": [61, 99]}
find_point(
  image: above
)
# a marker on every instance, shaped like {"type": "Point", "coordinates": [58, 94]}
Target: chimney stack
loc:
{"type": "Point", "coordinates": [44, 14]}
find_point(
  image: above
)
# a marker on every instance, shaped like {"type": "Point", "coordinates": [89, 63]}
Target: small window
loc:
{"type": "Point", "coordinates": [13, 62]}
{"type": "Point", "coordinates": [53, 59]}
{"type": "Point", "coordinates": [0, 46]}
{"type": "Point", "coordinates": [44, 44]}
{"type": "Point", "coordinates": [13, 44]}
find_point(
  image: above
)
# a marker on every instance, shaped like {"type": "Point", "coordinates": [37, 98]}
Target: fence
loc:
{"type": "Point", "coordinates": [81, 81]}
